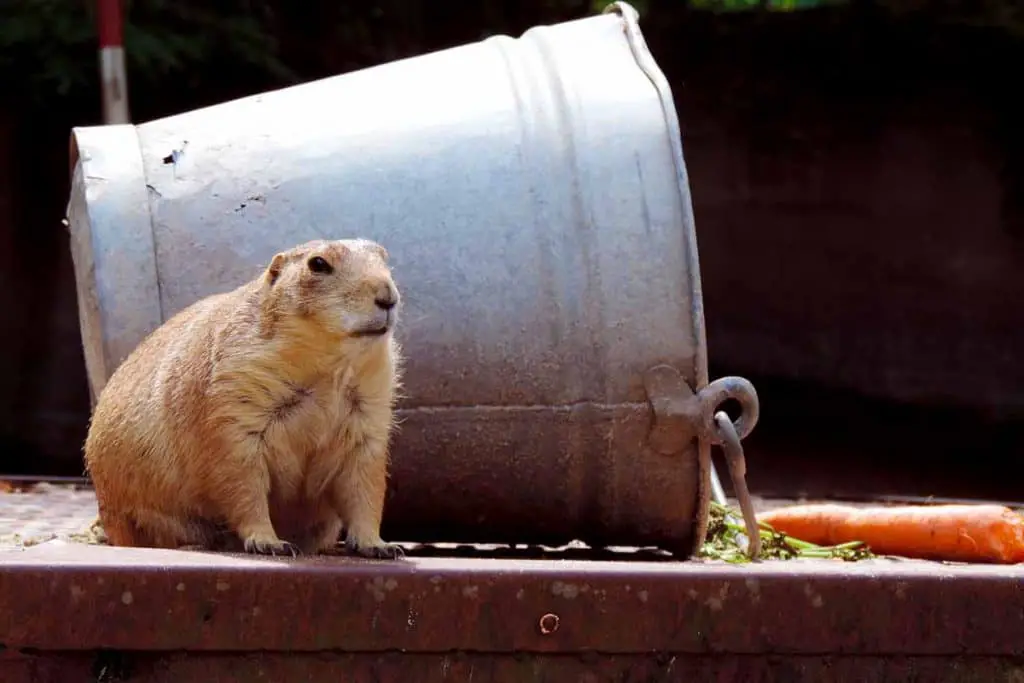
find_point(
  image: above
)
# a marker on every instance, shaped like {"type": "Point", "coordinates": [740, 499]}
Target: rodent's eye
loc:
{"type": "Point", "coordinates": [319, 265]}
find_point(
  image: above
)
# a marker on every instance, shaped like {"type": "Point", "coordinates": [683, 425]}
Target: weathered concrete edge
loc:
{"type": "Point", "coordinates": [77, 597]}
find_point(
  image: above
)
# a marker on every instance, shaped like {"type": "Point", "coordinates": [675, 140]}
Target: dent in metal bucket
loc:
{"type": "Point", "coordinates": [533, 195]}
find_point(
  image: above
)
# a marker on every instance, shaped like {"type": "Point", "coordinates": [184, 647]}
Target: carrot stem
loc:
{"type": "Point", "coordinates": [724, 532]}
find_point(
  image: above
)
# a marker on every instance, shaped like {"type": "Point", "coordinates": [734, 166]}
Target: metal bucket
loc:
{"type": "Point", "coordinates": [533, 196]}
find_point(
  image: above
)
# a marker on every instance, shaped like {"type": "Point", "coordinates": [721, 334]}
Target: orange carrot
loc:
{"type": "Point", "coordinates": [963, 533]}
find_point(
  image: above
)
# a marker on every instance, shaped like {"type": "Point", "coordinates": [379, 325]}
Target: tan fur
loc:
{"type": "Point", "coordinates": [260, 416]}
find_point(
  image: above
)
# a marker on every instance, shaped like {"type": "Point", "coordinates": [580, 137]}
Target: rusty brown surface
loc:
{"type": "Point", "coordinates": [59, 596]}
{"type": "Point", "coordinates": [434, 668]}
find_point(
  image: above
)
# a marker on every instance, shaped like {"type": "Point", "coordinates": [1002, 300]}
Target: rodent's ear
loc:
{"type": "Point", "coordinates": [380, 251]}
{"type": "Point", "coordinates": [274, 269]}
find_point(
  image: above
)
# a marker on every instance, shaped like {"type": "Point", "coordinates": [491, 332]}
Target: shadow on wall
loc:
{"type": "Point", "coordinates": [857, 189]}
{"type": "Point", "coordinates": [44, 399]}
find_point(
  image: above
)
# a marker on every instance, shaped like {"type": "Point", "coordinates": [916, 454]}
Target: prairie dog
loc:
{"type": "Point", "coordinates": [261, 415]}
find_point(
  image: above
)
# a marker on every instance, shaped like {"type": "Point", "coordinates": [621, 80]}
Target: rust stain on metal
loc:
{"type": "Point", "coordinates": [549, 624]}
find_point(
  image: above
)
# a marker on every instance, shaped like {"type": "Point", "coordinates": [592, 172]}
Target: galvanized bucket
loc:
{"type": "Point", "coordinates": [533, 196]}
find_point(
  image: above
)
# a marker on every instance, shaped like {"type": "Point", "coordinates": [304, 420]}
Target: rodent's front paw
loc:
{"type": "Point", "coordinates": [381, 551]}
{"type": "Point", "coordinates": [270, 546]}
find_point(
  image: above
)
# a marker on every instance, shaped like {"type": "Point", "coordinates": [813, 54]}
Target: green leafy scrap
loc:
{"type": "Point", "coordinates": [726, 534]}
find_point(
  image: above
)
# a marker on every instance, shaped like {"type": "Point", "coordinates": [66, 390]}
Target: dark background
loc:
{"type": "Point", "coordinates": [856, 174]}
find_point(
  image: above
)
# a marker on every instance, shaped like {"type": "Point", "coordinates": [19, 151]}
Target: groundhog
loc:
{"type": "Point", "coordinates": [258, 418]}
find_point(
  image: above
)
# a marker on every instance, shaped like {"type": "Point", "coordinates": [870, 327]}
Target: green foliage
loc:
{"type": "Point", "coordinates": [1004, 15]}
{"type": "Point", "coordinates": [641, 6]}
{"type": "Point", "coordinates": [162, 36]}
{"type": "Point", "coordinates": [726, 540]}
{"type": "Point", "coordinates": [49, 47]}
{"type": "Point", "coordinates": [43, 43]}
{"type": "Point", "coordinates": [770, 5]}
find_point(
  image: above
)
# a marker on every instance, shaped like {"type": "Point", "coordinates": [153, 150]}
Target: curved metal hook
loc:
{"type": "Point", "coordinates": [714, 395]}
{"type": "Point", "coordinates": [680, 415]}
{"type": "Point", "coordinates": [730, 442]}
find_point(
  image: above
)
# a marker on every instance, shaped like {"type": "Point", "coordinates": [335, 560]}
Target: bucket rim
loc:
{"type": "Point", "coordinates": [646, 63]}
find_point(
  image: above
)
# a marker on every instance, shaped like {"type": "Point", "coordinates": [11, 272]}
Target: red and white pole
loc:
{"type": "Point", "coordinates": [113, 78]}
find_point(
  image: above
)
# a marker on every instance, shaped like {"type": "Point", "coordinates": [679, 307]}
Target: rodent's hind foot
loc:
{"type": "Point", "coordinates": [383, 551]}
{"type": "Point", "coordinates": [270, 546]}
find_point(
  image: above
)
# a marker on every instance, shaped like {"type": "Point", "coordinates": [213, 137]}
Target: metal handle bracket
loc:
{"type": "Point", "coordinates": [680, 416]}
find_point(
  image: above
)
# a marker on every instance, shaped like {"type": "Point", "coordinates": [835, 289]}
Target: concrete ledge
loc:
{"type": "Point", "coordinates": [331, 667]}
{"type": "Point", "coordinates": [73, 612]}
{"type": "Point", "coordinates": [67, 596]}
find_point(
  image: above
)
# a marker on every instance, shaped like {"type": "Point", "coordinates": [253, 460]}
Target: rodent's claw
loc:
{"type": "Point", "coordinates": [391, 551]}
{"type": "Point", "coordinates": [385, 551]}
{"type": "Point", "coordinates": [275, 548]}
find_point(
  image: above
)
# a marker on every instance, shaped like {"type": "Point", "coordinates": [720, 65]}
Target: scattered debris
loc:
{"type": "Point", "coordinates": [251, 198]}
{"type": "Point", "coordinates": [91, 535]}
{"type": "Point", "coordinates": [723, 543]}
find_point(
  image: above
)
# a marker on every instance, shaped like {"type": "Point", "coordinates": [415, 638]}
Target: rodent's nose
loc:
{"type": "Point", "coordinates": [386, 298]}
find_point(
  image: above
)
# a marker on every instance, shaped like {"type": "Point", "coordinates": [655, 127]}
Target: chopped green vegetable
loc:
{"type": "Point", "coordinates": [726, 540]}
